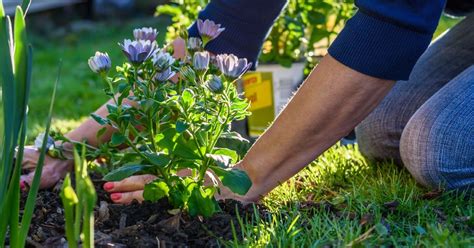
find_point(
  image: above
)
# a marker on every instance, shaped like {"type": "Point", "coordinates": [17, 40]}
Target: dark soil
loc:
{"type": "Point", "coordinates": [137, 225]}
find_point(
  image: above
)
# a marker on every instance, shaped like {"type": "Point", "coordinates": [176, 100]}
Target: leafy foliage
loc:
{"type": "Point", "coordinates": [165, 125]}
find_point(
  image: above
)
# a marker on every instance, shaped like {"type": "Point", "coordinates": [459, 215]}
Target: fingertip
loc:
{"type": "Point", "coordinates": [116, 196]}
{"type": "Point", "coordinates": [22, 185]}
{"type": "Point", "coordinates": [108, 186]}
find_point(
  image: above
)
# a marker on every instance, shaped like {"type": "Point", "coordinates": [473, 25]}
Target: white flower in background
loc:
{"type": "Point", "coordinates": [100, 62]}
{"type": "Point", "coordinates": [231, 66]}
{"type": "Point", "coordinates": [145, 34]}
{"type": "Point", "coordinates": [138, 51]}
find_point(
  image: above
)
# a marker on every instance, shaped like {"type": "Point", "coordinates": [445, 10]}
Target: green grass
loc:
{"type": "Point", "coordinates": [355, 188]}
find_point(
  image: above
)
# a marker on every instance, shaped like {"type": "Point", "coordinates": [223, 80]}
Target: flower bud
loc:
{"type": "Point", "coordinates": [39, 142]}
{"type": "Point", "coordinates": [201, 61]}
{"type": "Point", "coordinates": [194, 44]}
{"type": "Point", "coordinates": [100, 62]}
{"type": "Point", "coordinates": [215, 84]}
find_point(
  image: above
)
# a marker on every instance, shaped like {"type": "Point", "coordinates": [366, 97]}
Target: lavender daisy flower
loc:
{"type": "Point", "coordinates": [165, 75]}
{"type": "Point", "coordinates": [162, 60]}
{"type": "Point", "coordinates": [231, 66]}
{"type": "Point", "coordinates": [194, 44]}
{"type": "Point", "coordinates": [201, 61]}
{"type": "Point", "coordinates": [100, 62]}
{"type": "Point", "coordinates": [208, 30]}
{"type": "Point", "coordinates": [145, 34]}
{"type": "Point", "coordinates": [215, 84]}
{"type": "Point", "coordinates": [138, 51]}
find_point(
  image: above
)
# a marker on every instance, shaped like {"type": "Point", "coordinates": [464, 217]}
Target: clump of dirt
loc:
{"type": "Point", "coordinates": [137, 225]}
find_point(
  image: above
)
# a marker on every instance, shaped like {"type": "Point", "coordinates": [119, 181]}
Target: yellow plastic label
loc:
{"type": "Point", "coordinates": [257, 91]}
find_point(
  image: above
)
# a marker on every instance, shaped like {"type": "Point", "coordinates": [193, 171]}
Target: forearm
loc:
{"type": "Point", "coordinates": [332, 101]}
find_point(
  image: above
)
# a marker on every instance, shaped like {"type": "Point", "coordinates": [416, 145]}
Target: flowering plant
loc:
{"type": "Point", "coordinates": [174, 115]}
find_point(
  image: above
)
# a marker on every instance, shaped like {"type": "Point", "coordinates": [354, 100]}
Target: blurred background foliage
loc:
{"type": "Point", "coordinates": [74, 41]}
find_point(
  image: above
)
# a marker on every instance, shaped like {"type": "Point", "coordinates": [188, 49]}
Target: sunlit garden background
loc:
{"type": "Point", "coordinates": [341, 199]}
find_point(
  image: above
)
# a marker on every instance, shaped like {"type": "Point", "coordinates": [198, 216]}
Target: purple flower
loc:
{"type": "Point", "coordinates": [208, 30]}
{"type": "Point", "coordinates": [165, 75]}
{"type": "Point", "coordinates": [138, 51]}
{"type": "Point", "coordinates": [100, 62]}
{"type": "Point", "coordinates": [194, 44]}
{"type": "Point", "coordinates": [201, 61]}
{"type": "Point", "coordinates": [145, 34]}
{"type": "Point", "coordinates": [215, 84]}
{"type": "Point", "coordinates": [231, 66]}
{"type": "Point", "coordinates": [162, 60]}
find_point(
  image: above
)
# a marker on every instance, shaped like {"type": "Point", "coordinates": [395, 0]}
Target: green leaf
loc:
{"type": "Point", "coordinates": [181, 126]}
{"type": "Point", "coordinates": [187, 98]}
{"type": "Point", "coordinates": [186, 149]}
{"type": "Point", "coordinates": [112, 108]}
{"type": "Point", "coordinates": [234, 141]}
{"type": "Point", "coordinates": [25, 6]}
{"type": "Point", "coordinates": [220, 160]}
{"type": "Point", "coordinates": [31, 200]}
{"type": "Point", "coordinates": [155, 190]}
{"type": "Point", "coordinates": [236, 180]}
{"type": "Point", "coordinates": [99, 119]}
{"type": "Point", "coordinates": [2, 10]}
{"type": "Point", "coordinates": [166, 139]}
{"type": "Point", "coordinates": [117, 139]}
{"type": "Point", "coordinates": [202, 202]}
{"type": "Point", "coordinates": [227, 152]}
{"type": "Point", "coordinates": [124, 172]}
{"type": "Point", "coordinates": [100, 133]}
{"type": "Point", "coordinates": [158, 159]}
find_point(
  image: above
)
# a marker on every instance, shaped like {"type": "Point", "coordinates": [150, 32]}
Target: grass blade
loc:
{"type": "Point", "coordinates": [2, 10]}
{"type": "Point", "coordinates": [70, 201]}
{"type": "Point", "coordinates": [7, 81]}
{"type": "Point", "coordinates": [25, 6]}
{"type": "Point", "coordinates": [21, 64]}
{"type": "Point", "coordinates": [30, 202]}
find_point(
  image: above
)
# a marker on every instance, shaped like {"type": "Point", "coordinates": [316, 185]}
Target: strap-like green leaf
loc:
{"type": "Point", "coordinates": [30, 202]}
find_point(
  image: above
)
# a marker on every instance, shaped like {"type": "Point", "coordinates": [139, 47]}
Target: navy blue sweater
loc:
{"type": "Point", "coordinates": [383, 39]}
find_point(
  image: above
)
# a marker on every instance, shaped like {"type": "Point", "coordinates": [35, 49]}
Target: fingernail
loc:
{"type": "Point", "coordinates": [116, 196]}
{"type": "Point", "coordinates": [22, 185]}
{"type": "Point", "coordinates": [108, 186]}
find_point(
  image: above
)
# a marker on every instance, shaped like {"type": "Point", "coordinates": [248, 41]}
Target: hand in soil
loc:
{"type": "Point", "coordinates": [53, 169]}
{"type": "Point", "coordinates": [131, 189]}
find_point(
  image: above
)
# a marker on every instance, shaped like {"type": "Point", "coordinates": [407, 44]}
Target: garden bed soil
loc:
{"type": "Point", "coordinates": [136, 225]}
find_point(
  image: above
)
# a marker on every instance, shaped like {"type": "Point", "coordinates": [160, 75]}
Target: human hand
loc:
{"type": "Point", "coordinates": [53, 170]}
{"type": "Point", "coordinates": [131, 189]}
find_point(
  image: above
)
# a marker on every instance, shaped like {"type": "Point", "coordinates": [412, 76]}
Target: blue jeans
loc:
{"type": "Point", "coordinates": [427, 122]}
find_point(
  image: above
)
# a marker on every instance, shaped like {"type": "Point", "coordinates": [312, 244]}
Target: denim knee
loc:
{"type": "Point", "coordinates": [437, 143]}
{"type": "Point", "coordinates": [378, 136]}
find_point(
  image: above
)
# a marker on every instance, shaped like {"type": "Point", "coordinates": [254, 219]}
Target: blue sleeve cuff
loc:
{"type": "Point", "coordinates": [379, 48]}
{"type": "Point", "coordinates": [245, 31]}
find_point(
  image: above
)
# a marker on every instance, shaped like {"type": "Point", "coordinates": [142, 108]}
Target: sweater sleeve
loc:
{"type": "Point", "coordinates": [384, 39]}
{"type": "Point", "coordinates": [246, 23]}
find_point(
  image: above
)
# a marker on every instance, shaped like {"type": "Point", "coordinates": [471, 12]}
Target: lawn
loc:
{"type": "Point", "coordinates": [341, 199]}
